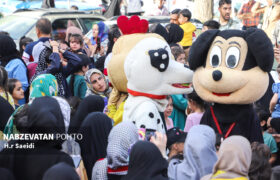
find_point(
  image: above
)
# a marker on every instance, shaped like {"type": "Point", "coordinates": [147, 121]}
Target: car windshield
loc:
{"type": "Point", "coordinates": [16, 26]}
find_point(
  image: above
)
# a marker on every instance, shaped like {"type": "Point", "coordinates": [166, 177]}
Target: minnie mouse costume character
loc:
{"type": "Point", "coordinates": [145, 62]}
{"type": "Point", "coordinates": [231, 71]}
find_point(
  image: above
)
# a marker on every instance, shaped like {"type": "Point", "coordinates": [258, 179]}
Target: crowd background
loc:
{"type": "Point", "coordinates": [62, 86]}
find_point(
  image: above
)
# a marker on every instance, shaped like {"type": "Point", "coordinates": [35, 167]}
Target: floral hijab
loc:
{"type": "Point", "coordinates": [43, 85]}
{"type": "Point", "coordinates": [91, 90]}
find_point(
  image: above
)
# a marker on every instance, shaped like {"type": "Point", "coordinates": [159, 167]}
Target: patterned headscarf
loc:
{"type": "Point", "coordinates": [42, 66]}
{"type": "Point", "coordinates": [90, 89]}
{"type": "Point", "coordinates": [65, 109]}
{"type": "Point", "coordinates": [43, 85]}
{"type": "Point", "coordinates": [121, 139]}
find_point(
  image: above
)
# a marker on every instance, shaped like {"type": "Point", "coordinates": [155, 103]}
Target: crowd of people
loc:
{"type": "Point", "coordinates": [61, 86]}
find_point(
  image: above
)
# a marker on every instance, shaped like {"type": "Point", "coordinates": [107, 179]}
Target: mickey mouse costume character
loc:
{"type": "Point", "coordinates": [145, 62]}
{"type": "Point", "coordinates": [231, 71]}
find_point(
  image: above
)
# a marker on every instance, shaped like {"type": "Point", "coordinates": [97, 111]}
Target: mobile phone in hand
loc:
{"type": "Point", "coordinates": [149, 134]}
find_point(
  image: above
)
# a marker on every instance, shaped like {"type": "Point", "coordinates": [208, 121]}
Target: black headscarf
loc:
{"type": "Point", "coordinates": [146, 162]}
{"type": "Point", "coordinates": [175, 33]}
{"type": "Point", "coordinates": [5, 174]}
{"type": "Point", "coordinates": [6, 111]}
{"type": "Point", "coordinates": [90, 104]}
{"type": "Point", "coordinates": [44, 116]}
{"type": "Point", "coordinates": [95, 130]}
{"type": "Point", "coordinates": [8, 50]}
{"type": "Point", "coordinates": [61, 171]}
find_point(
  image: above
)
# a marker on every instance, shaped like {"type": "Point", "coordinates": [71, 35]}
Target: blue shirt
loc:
{"type": "Point", "coordinates": [276, 89]}
{"type": "Point", "coordinates": [17, 70]}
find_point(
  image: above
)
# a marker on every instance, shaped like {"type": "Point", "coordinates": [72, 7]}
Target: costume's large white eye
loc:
{"type": "Point", "coordinates": [215, 56]}
{"type": "Point", "coordinates": [232, 57]}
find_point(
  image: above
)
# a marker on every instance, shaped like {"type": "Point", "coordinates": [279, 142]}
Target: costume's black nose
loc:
{"type": "Point", "coordinates": [217, 75]}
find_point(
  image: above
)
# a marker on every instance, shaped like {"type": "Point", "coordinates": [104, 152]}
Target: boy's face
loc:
{"type": "Point", "coordinates": [182, 19]}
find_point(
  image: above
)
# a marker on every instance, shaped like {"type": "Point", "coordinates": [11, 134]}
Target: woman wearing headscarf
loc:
{"type": "Point", "coordinates": [44, 117]}
{"type": "Point", "coordinates": [58, 62]}
{"type": "Point", "coordinates": [146, 162]}
{"type": "Point", "coordinates": [199, 155]}
{"type": "Point", "coordinates": [6, 111]}
{"type": "Point", "coordinates": [99, 33]}
{"type": "Point", "coordinates": [175, 33]}
{"type": "Point", "coordinates": [98, 44]}
{"type": "Point", "coordinates": [90, 104]}
{"type": "Point", "coordinates": [11, 60]}
{"type": "Point", "coordinates": [43, 85]}
{"type": "Point", "coordinates": [61, 171]}
{"type": "Point", "coordinates": [95, 130]}
{"type": "Point", "coordinates": [97, 84]}
{"type": "Point", "coordinates": [120, 140]}
{"type": "Point", "coordinates": [234, 159]}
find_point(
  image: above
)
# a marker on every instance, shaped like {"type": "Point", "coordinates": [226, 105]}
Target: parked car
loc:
{"type": "Point", "coordinates": [9, 6]}
{"type": "Point", "coordinates": [23, 23]}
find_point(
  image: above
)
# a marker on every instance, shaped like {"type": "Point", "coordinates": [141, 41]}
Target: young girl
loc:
{"type": "Point", "coordinates": [196, 105]}
{"type": "Point", "coordinates": [179, 54]}
{"type": "Point", "coordinates": [76, 81]}
{"type": "Point", "coordinates": [168, 112]}
{"type": "Point", "coordinates": [15, 89]}
{"type": "Point", "coordinates": [4, 86]}
{"type": "Point", "coordinates": [76, 43]}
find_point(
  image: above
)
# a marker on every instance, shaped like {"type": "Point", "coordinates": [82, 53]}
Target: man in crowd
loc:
{"type": "Point", "coordinates": [225, 11]}
{"type": "Point", "coordinates": [174, 16]}
{"type": "Point", "coordinates": [33, 50]}
{"type": "Point", "coordinates": [249, 19]}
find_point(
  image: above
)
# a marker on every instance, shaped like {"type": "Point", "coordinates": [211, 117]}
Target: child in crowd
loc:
{"type": "Point", "coordinates": [184, 20]}
{"type": "Point", "coordinates": [260, 167]}
{"type": "Point", "coordinates": [4, 86]}
{"type": "Point", "coordinates": [168, 112]}
{"type": "Point", "coordinates": [196, 105]}
{"type": "Point", "coordinates": [180, 103]}
{"type": "Point", "coordinates": [274, 106]}
{"type": "Point", "coordinates": [76, 81]}
{"type": "Point", "coordinates": [211, 24]}
{"type": "Point", "coordinates": [76, 43]}
{"type": "Point", "coordinates": [175, 142]}
{"type": "Point", "coordinates": [179, 54]}
{"type": "Point", "coordinates": [15, 89]}
{"type": "Point", "coordinates": [22, 44]}
{"type": "Point", "coordinates": [267, 138]}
